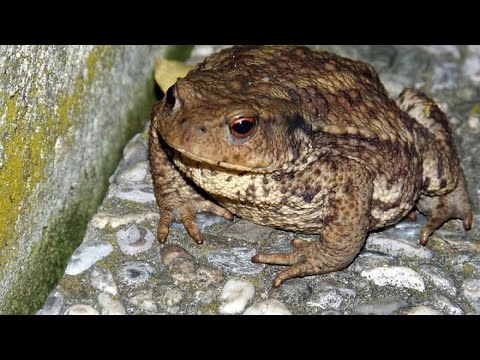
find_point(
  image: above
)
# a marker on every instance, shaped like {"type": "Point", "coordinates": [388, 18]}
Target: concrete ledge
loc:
{"type": "Point", "coordinates": [66, 113]}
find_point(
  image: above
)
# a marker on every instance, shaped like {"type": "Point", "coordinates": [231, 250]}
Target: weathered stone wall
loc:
{"type": "Point", "coordinates": [65, 115]}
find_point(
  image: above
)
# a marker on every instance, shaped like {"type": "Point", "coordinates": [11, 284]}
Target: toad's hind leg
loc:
{"type": "Point", "coordinates": [439, 209]}
{"type": "Point", "coordinates": [444, 194]}
{"type": "Point", "coordinates": [344, 233]}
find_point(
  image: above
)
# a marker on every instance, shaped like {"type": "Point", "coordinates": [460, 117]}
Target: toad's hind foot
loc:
{"type": "Point", "coordinates": [439, 209]}
{"type": "Point", "coordinates": [306, 258]}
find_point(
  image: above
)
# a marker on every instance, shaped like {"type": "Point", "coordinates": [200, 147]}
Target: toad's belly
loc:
{"type": "Point", "coordinates": [311, 218]}
{"type": "Point", "coordinates": [308, 219]}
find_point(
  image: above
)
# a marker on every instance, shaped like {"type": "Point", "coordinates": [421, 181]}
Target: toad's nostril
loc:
{"type": "Point", "coordinates": [188, 135]}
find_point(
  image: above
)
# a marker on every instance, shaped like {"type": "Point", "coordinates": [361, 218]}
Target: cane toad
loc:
{"type": "Point", "coordinates": [303, 141]}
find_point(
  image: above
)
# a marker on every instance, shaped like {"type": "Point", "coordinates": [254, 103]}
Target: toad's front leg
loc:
{"type": "Point", "coordinates": [345, 228]}
{"type": "Point", "coordinates": [178, 201]}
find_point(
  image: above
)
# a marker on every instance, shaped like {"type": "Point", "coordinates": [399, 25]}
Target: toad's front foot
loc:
{"type": "Point", "coordinates": [184, 210]}
{"type": "Point", "coordinates": [306, 258]}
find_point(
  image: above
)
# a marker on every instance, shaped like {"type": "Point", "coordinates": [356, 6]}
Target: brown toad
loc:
{"type": "Point", "coordinates": [304, 141]}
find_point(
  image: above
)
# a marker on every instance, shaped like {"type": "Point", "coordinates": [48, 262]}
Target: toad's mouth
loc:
{"type": "Point", "coordinates": [214, 161]}
{"type": "Point", "coordinates": [184, 154]}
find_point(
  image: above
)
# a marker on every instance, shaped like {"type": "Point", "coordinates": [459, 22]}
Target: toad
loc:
{"type": "Point", "coordinates": [303, 141]}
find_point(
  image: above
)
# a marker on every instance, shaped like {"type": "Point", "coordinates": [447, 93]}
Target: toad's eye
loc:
{"type": "Point", "coordinates": [243, 127]}
{"type": "Point", "coordinates": [170, 97]}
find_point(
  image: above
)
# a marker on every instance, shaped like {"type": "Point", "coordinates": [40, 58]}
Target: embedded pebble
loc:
{"type": "Point", "coordinates": [247, 231]}
{"type": "Point", "coordinates": [102, 279]}
{"type": "Point", "coordinates": [471, 291]}
{"type": "Point", "coordinates": [140, 193]}
{"type": "Point", "coordinates": [439, 278]}
{"type": "Point", "coordinates": [170, 253]}
{"type": "Point", "coordinates": [471, 269]}
{"type": "Point", "coordinates": [135, 239]}
{"type": "Point", "coordinates": [461, 262]}
{"type": "Point", "coordinates": [397, 247]}
{"type": "Point", "coordinates": [235, 296]}
{"type": "Point", "coordinates": [143, 299]}
{"type": "Point", "coordinates": [268, 307]}
{"type": "Point", "coordinates": [326, 285]}
{"type": "Point", "coordinates": [135, 272]}
{"type": "Point", "coordinates": [326, 300]}
{"type": "Point", "coordinates": [363, 284]}
{"type": "Point", "coordinates": [109, 305]}
{"type": "Point", "coordinates": [383, 306]}
{"type": "Point", "coordinates": [474, 122]}
{"type": "Point", "coordinates": [86, 255]}
{"type": "Point", "coordinates": [444, 304]}
{"type": "Point", "coordinates": [370, 259]}
{"type": "Point", "coordinates": [207, 276]}
{"type": "Point", "coordinates": [204, 222]}
{"type": "Point", "coordinates": [235, 261]}
{"type": "Point", "coordinates": [406, 230]}
{"type": "Point", "coordinates": [135, 151]}
{"type": "Point", "coordinates": [133, 173]}
{"type": "Point", "coordinates": [398, 276]}
{"type": "Point", "coordinates": [423, 310]}
{"type": "Point", "coordinates": [204, 297]}
{"type": "Point", "coordinates": [102, 220]}
{"type": "Point", "coordinates": [53, 304]}
{"type": "Point", "coordinates": [172, 296]}
{"type": "Point", "coordinates": [81, 309]}
{"type": "Point", "coordinates": [328, 294]}
{"type": "Point", "coordinates": [407, 224]}
{"type": "Point", "coordinates": [293, 290]}
{"type": "Point", "coordinates": [183, 271]}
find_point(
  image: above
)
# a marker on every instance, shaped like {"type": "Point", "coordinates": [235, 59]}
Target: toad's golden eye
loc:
{"type": "Point", "coordinates": [243, 127]}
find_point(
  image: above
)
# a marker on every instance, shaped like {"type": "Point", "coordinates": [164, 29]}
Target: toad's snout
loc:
{"type": "Point", "coordinates": [189, 132]}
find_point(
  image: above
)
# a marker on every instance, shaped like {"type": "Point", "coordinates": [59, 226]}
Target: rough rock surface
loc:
{"type": "Point", "coordinates": [392, 275]}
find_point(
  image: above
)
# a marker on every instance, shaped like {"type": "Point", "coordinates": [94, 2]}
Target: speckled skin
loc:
{"type": "Point", "coordinates": [330, 153]}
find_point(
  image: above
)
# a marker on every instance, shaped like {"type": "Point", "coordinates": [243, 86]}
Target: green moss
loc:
{"type": "Point", "coordinates": [103, 53]}
{"type": "Point", "coordinates": [21, 172]}
{"type": "Point", "coordinates": [12, 109]}
{"type": "Point", "coordinates": [178, 52]}
{"type": "Point", "coordinates": [469, 270]}
{"type": "Point", "coordinates": [28, 150]}
{"type": "Point", "coordinates": [475, 109]}
{"type": "Point", "coordinates": [211, 308]}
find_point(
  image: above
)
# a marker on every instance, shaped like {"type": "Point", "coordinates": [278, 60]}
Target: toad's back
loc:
{"type": "Point", "coordinates": [346, 108]}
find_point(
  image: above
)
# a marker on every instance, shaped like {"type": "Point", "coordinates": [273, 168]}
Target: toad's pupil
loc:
{"type": "Point", "coordinates": [243, 126]}
{"type": "Point", "coordinates": [170, 97]}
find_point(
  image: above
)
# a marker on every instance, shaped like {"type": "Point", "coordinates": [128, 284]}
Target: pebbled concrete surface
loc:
{"type": "Point", "coordinates": [392, 275]}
